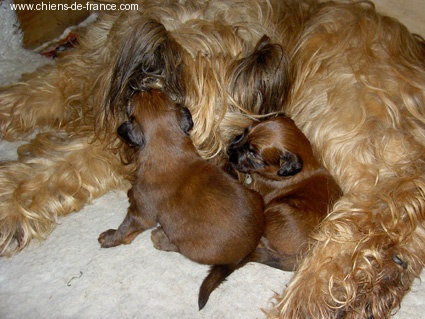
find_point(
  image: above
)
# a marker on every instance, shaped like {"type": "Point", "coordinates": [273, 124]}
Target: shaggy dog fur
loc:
{"type": "Point", "coordinates": [357, 91]}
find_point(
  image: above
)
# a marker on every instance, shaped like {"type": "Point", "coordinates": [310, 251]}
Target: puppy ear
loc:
{"type": "Point", "coordinates": [127, 132]}
{"type": "Point", "coordinates": [186, 122]}
{"type": "Point", "coordinates": [291, 164]}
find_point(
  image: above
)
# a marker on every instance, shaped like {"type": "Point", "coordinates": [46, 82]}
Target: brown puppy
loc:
{"type": "Point", "coordinates": [204, 213]}
{"type": "Point", "coordinates": [278, 162]}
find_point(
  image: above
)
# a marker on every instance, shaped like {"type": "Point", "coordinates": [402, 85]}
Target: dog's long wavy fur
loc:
{"type": "Point", "coordinates": [354, 82]}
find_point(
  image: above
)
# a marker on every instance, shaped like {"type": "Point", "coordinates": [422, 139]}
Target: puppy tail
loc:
{"type": "Point", "coordinates": [217, 274]}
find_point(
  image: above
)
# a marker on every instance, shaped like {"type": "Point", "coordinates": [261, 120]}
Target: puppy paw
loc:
{"type": "Point", "coordinates": [161, 241]}
{"type": "Point", "coordinates": [107, 239]}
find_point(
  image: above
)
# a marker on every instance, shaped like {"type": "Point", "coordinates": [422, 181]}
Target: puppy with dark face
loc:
{"type": "Point", "coordinates": [275, 158]}
{"type": "Point", "coordinates": [203, 213]}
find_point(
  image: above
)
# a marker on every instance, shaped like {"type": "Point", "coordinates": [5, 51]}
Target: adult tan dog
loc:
{"type": "Point", "coordinates": [204, 213]}
{"type": "Point", "coordinates": [356, 89]}
{"type": "Point", "coordinates": [276, 160]}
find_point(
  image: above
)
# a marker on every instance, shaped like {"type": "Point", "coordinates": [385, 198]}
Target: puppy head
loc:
{"type": "Point", "coordinates": [274, 149]}
{"type": "Point", "coordinates": [151, 112]}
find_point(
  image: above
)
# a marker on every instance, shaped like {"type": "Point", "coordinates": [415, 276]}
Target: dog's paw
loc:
{"type": "Point", "coordinates": [161, 241]}
{"type": "Point", "coordinates": [107, 239]}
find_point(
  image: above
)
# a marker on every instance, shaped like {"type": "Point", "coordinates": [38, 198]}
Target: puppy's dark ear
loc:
{"type": "Point", "coordinates": [128, 133]}
{"type": "Point", "coordinates": [186, 122]}
{"type": "Point", "coordinates": [291, 164]}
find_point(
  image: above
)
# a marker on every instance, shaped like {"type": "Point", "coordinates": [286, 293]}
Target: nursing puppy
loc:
{"type": "Point", "coordinates": [276, 160]}
{"type": "Point", "coordinates": [204, 213]}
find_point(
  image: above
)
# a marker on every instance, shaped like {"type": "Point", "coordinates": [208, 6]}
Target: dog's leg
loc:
{"type": "Point", "coordinates": [264, 254]}
{"type": "Point", "coordinates": [135, 222]}
{"type": "Point", "coordinates": [55, 175]}
{"type": "Point", "coordinates": [367, 254]}
{"type": "Point", "coordinates": [49, 97]}
{"type": "Point", "coordinates": [161, 241]}
{"type": "Point", "coordinates": [35, 102]}
{"type": "Point", "coordinates": [62, 93]}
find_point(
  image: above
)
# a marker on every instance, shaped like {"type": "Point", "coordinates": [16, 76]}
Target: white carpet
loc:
{"type": "Point", "coordinates": [70, 276]}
